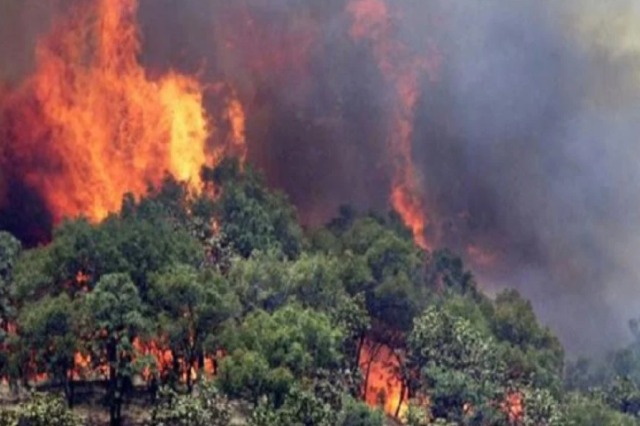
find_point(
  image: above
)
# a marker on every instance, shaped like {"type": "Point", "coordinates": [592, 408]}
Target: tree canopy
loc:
{"type": "Point", "coordinates": [220, 303]}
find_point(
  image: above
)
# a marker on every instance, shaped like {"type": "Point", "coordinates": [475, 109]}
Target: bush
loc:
{"type": "Point", "coordinates": [206, 408]}
{"type": "Point", "coordinates": [40, 410]}
{"type": "Point", "coordinates": [355, 413]}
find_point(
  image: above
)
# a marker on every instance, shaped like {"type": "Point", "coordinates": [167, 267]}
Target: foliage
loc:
{"type": "Point", "coordinates": [206, 408]}
{"type": "Point", "coordinates": [457, 364]}
{"type": "Point", "coordinates": [9, 252]}
{"type": "Point", "coordinates": [541, 408]}
{"type": "Point", "coordinates": [268, 351]}
{"type": "Point", "coordinates": [50, 330]}
{"type": "Point", "coordinates": [40, 410]}
{"type": "Point", "coordinates": [580, 410]}
{"type": "Point", "coordinates": [300, 408]}
{"type": "Point", "coordinates": [252, 217]}
{"type": "Point", "coordinates": [304, 407]}
{"type": "Point", "coordinates": [114, 319]}
{"type": "Point", "coordinates": [356, 413]}
{"type": "Point", "coordinates": [227, 275]}
{"type": "Point", "coordinates": [534, 355]}
{"type": "Point", "coordinates": [192, 308]}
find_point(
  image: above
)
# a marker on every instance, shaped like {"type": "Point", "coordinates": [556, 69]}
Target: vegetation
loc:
{"type": "Point", "coordinates": [205, 308]}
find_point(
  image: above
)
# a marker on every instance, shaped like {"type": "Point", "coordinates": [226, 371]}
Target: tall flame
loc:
{"type": "Point", "coordinates": [372, 23]}
{"type": "Point", "coordinates": [89, 125]}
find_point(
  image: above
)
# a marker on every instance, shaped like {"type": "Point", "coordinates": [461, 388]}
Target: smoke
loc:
{"type": "Point", "coordinates": [524, 140]}
{"type": "Point", "coordinates": [530, 141]}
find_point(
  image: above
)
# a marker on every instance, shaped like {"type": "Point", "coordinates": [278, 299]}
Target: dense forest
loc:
{"type": "Point", "coordinates": [219, 308]}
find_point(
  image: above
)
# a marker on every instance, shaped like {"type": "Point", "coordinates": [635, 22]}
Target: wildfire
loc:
{"type": "Point", "coordinates": [383, 387]}
{"type": "Point", "coordinates": [372, 23]}
{"type": "Point", "coordinates": [90, 125]}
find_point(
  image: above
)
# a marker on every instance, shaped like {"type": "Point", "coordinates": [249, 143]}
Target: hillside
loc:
{"type": "Point", "coordinates": [182, 304]}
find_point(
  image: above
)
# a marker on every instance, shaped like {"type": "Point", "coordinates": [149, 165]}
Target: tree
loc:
{"type": "Point", "coordinates": [49, 330]}
{"type": "Point", "coordinates": [259, 281]}
{"type": "Point", "coordinates": [114, 317]}
{"type": "Point", "coordinates": [268, 351]}
{"type": "Point", "coordinates": [138, 245]}
{"type": "Point", "coordinates": [457, 365]}
{"type": "Point", "coordinates": [10, 249]}
{"type": "Point", "coordinates": [534, 355]}
{"type": "Point", "coordinates": [301, 407]}
{"type": "Point", "coordinates": [207, 408]}
{"type": "Point", "coordinates": [446, 271]}
{"type": "Point", "coordinates": [250, 216]}
{"type": "Point", "coordinates": [305, 406]}
{"type": "Point", "coordinates": [40, 410]}
{"type": "Point", "coordinates": [355, 413]}
{"type": "Point", "coordinates": [579, 410]}
{"type": "Point", "coordinates": [192, 308]}
{"type": "Point", "coordinates": [379, 259]}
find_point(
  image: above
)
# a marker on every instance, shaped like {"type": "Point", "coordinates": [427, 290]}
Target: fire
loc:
{"type": "Point", "coordinates": [237, 120]}
{"type": "Point", "coordinates": [383, 386]}
{"type": "Point", "coordinates": [372, 22]}
{"type": "Point", "coordinates": [513, 406]}
{"type": "Point", "coordinates": [90, 125]}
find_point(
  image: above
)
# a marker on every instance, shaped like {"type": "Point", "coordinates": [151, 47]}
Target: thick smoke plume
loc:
{"type": "Point", "coordinates": [523, 134]}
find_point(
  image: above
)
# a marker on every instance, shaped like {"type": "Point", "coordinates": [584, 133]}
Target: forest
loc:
{"type": "Point", "coordinates": [219, 308]}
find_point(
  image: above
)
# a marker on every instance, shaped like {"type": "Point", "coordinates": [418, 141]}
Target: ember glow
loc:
{"type": "Point", "coordinates": [90, 125]}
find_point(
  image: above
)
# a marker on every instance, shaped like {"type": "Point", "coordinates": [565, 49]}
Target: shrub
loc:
{"type": "Point", "coordinates": [207, 407]}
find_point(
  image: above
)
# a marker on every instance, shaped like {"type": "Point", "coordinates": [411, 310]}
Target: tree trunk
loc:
{"type": "Point", "coordinates": [402, 392]}
{"type": "Point", "coordinates": [359, 350]}
{"type": "Point", "coordinates": [69, 391]}
{"type": "Point", "coordinates": [112, 358]}
{"type": "Point", "coordinates": [189, 367]}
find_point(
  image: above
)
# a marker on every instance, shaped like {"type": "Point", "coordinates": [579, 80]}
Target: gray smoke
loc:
{"type": "Point", "coordinates": [539, 112]}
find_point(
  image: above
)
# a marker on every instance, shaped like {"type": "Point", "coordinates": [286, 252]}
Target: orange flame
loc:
{"type": "Point", "coordinates": [372, 22]}
{"type": "Point", "coordinates": [513, 407]}
{"type": "Point", "coordinates": [90, 125]}
{"type": "Point", "coordinates": [237, 121]}
{"type": "Point", "coordinates": [383, 387]}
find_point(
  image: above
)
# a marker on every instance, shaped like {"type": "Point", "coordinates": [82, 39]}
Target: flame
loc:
{"type": "Point", "coordinates": [372, 23]}
{"type": "Point", "coordinates": [237, 120]}
{"type": "Point", "coordinates": [90, 125]}
{"type": "Point", "coordinates": [513, 406]}
{"type": "Point", "coordinates": [380, 366]}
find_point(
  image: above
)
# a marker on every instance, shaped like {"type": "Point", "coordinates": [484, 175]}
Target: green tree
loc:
{"type": "Point", "coordinates": [252, 217]}
{"type": "Point", "coordinates": [10, 249]}
{"type": "Point", "coordinates": [192, 308]}
{"type": "Point", "coordinates": [138, 245]}
{"type": "Point", "coordinates": [580, 410]}
{"type": "Point", "coordinates": [114, 319]}
{"type": "Point", "coordinates": [260, 281]}
{"type": "Point", "coordinates": [356, 413]}
{"type": "Point", "coordinates": [540, 408]}
{"type": "Point", "coordinates": [534, 355]}
{"type": "Point", "coordinates": [49, 330]}
{"type": "Point", "coordinates": [207, 408]}
{"type": "Point", "coordinates": [40, 410]}
{"type": "Point", "coordinates": [457, 364]}
{"type": "Point", "coordinates": [268, 351]}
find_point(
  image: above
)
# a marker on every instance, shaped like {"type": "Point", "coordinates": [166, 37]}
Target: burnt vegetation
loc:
{"type": "Point", "coordinates": [209, 309]}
